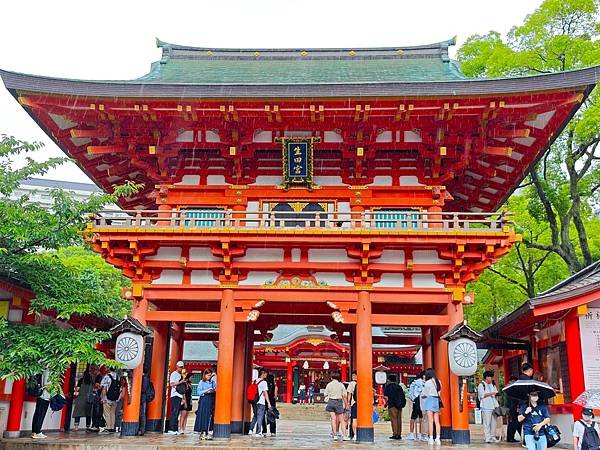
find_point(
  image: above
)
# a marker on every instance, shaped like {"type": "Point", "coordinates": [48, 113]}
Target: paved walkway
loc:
{"type": "Point", "coordinates": [292, 434]}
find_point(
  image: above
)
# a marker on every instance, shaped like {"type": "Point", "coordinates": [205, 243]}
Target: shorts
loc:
{"type": "Point", "coordinates": [431, 403]}
{"type": "Point", "coordinates": [416, 410]}
{"type": "Point", "coordinates": [353, 411]}
{"type": "Point", "coordinates": [335, 406]}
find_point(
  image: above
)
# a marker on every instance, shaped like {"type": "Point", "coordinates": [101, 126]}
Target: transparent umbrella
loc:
{"type": "Point", "coordinates": [589, 399]}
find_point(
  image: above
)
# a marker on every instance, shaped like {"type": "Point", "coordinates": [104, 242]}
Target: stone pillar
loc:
{"type": "Point", "coordinates": [364, 368]}
{"type": "Point", "coordinates": [131, 406]}
{"type": "Point", "coordinates": [157, 377]}
{"type": "Point", "coordinates": [15, 409]}
{"type": "Point", "coordinates": [222, 428]}
{"type": "Point", "coordinates": [442, 370]}
{"type": "Point", "coordinates": [237, 394]}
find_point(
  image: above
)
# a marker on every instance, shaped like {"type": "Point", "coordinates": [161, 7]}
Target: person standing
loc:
{"type": "Point", "coordinates": [486, 392]}
{"type": "Point", "coordinates": [186, 405]}
{"type": "Point", "coordinates": [534, 417]}
{"type": "Point", "coordinates": [586, 432]}
{"type": "Point", "coordinates": [526, 371]}
{"type": "Point", "coordinates": [110, 395]}
{"type": "Point", "coordinates": [81, 406]}
{"type": "Point", "coordinates": [120, 404]}
{"type": "Point", "coordinates": [416, 416]}
{"type": "Point", "coordinates": [302, 393]}
{"type": "Point", "coordinates": [311, 394]}
{"type": "Point", "coordinates": [431, 405]}
{"type": "Point", "coordinates": [396, 400]}
{"type": "Point", "coordinates": [351, 399]}
{"type": "Point", "coordinates": [175, 380]}
{"type": "Point", "coordinates": [337, 403]}
{"type": "Point", "coordinates": [514, 425]}
{"type": "Point", "coordinates": [261, 404]}
{"type": "Point", "coordinates": [273, 393]}
{"type": "Point", "coordinates": [41, 408]}
{"type": "Point", "coordinates": [147, 396]}
{"type": "Point", "coordinates": [206, 400]}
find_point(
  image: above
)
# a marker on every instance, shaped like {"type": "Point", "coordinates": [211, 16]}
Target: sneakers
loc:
{"type": "Point", "coordinates": [173, 432]}
{"type": "Point", "coordinates": [38, 436]}
{"type": "Point", "coordinates": [438, 442]}
{"type": "Point", "coordinates": [424, 438]}
{"type": "Point", "coordinates": [250, 433]}
{"type": "Point", "coordinates": [430, 441]}
{"type": "Point", "coordinates": [411, 437]}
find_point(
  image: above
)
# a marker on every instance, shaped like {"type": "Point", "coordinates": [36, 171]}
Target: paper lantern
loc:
{"type": "Point", "coordinates": [380, 377]}
{"type": "Point", "coordinates": [129, 349]}
{"type": "Point", "coordinates": [462, 354]}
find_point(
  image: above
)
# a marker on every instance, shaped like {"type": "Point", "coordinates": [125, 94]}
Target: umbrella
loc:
{"type": "Point", "coordinates": [589, 399]}
{"type": "Point", "coordinates": [520, 389]}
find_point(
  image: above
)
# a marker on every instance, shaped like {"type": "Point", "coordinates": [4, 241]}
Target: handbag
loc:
{"type": "Point", "coordinates": [552, 435]}
{"type": "Point", "coordinates": [500, 411]}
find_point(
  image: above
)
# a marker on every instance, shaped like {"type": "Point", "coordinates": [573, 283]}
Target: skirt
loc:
{"type": "Point", "coordinates": [431, 404]}
{"type": "Point", "coordinates": [204, 413]}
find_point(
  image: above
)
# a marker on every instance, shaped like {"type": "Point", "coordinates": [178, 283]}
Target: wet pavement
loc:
{"type": "Point", "coordinates": [292, 434]}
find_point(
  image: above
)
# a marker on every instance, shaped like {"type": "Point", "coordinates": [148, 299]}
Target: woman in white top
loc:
{"type": "Point", "coordinates": [580, 426]}
{"type": "Point", "coordinates": [430, 401]}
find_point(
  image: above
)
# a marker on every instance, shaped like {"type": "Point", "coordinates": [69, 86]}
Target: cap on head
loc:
{"type": "Point", "coordinates": [587, 412]}
{"type": "Point", "coordinates": [180, 364]}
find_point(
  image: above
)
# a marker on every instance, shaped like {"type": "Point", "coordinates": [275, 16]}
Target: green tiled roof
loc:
{"type": "Point", "coordinates": [193, 65]}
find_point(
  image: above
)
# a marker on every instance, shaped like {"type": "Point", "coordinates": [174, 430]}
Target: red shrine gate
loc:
{"type": "Point", "coordinates": [349, 188]}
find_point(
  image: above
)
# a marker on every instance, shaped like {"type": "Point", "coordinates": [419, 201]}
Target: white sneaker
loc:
{"type": "Point", "coordinates": [424, 438]}
{"type": "Point", "coordinates": [42, 434]}
{"type": "Point", "coordinates": [438, 442]}
{"type": "Point", "coordinates": [250, 433]}
{"type": "Point", "coordinates": [430, 441]}
{"type": "Point", "coordinates": [173, 432]}
{"type": "Point", "coordinates": [335, 438]}
{"type": "Point", "coordinates": [410, 437]}
{"type": "Point", "coordinates": [38, 436]}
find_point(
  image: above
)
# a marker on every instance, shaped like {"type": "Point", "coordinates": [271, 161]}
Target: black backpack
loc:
{"type": "Point", "coordinates": [33, 386]}
{"type": "Point", "coordinates": [590, 439]}
{"type": "Point", "coordinates": [112, 393]}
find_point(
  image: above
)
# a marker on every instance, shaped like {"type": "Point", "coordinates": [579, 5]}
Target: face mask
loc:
{"type": "Point", "coordinates": [534, 398]}
{"type": "Point", "coordinates": [586, 418]}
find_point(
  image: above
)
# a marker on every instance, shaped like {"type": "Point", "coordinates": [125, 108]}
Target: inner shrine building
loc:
{"type": "Point", "coordinates": [349, 188]}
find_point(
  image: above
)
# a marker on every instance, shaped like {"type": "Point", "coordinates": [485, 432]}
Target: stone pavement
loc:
{"type": "Point", "coordinates": [292, 434]}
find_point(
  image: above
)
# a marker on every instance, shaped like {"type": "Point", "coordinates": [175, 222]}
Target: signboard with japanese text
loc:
{"type": "Point", "coordinates": [298, 162]}
{"type": "Point", "coordinates": [589, 326]}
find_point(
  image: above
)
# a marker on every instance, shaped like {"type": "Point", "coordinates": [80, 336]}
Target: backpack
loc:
{"type": "Point", "coordinates": [150, 392]}
{"type": "Point", "coordinates": [402, 396]}
{"type": "Point", "coordinates": [113, 391]}
{"type": "Point", "coordinates": [57, 402]}
{"type": "Point", "coordinates": [252, 392]}
{"type": "Point", "coordinates": [590, 439]}
{"type": "Point", "coordinates": [33, 386]}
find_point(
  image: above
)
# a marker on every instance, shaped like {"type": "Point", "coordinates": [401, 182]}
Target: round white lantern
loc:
{"type": "Point", "coordinates": [380, 377]}
{"type": "Point", "coordinates": [462, 354]}
{"type": "Point", "coordinates": [129, 350]}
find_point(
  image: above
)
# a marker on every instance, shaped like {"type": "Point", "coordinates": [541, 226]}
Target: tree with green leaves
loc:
{"type": "Point", "coordinates": [564, 185]}
{"type": "Point", "coordinates": [68, 283]}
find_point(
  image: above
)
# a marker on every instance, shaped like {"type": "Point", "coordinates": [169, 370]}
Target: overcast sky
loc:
{"type": "Point", "coordinates": [110, 39]}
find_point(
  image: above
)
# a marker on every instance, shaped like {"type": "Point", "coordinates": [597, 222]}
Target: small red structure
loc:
{"type": "Point", "coordinates": [558, 333]}
{"type": "Point", "coordinates": [349, 188]}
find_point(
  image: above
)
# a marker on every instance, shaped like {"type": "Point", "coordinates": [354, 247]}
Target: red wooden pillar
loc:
{"type": "Point", "coordinates": [575, 359]}
{"type": "Point", "coordinates": [364, 369]}
{"type": "Point", "coordinates": [460, 419]}
{"type": "Point", "coordinates": [15, 409]}
{"type": "Point", "coordinates": [426, 349]}
{"type": "Point", "coordinates": [442, 370]}
{"type": "Point", "coordinates": [175, 354]}
{"type": "Point", "coordinates": [237, 400]}
{"type": "Point", "coordinates": [289, 381]}
{"type": "Point", "coordinates": [157, 377]}
{"type": "Point", "coordinates": [248, 367]}
{"type": "Point", "coordinates": [222, 428]}
{"type": "Point", "coordinates": [66, 393]}
{"type": "Point", "coordinates": [344, 370]}
{"type": "Point", "coordinates": [131, 402]}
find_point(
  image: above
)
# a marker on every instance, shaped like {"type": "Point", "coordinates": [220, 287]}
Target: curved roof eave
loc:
{"type": "Point", "coordinates": [580, 78]}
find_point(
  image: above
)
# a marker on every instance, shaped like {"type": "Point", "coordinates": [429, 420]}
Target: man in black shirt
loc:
{"type": "Point", "coordinates": [396, 400]}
